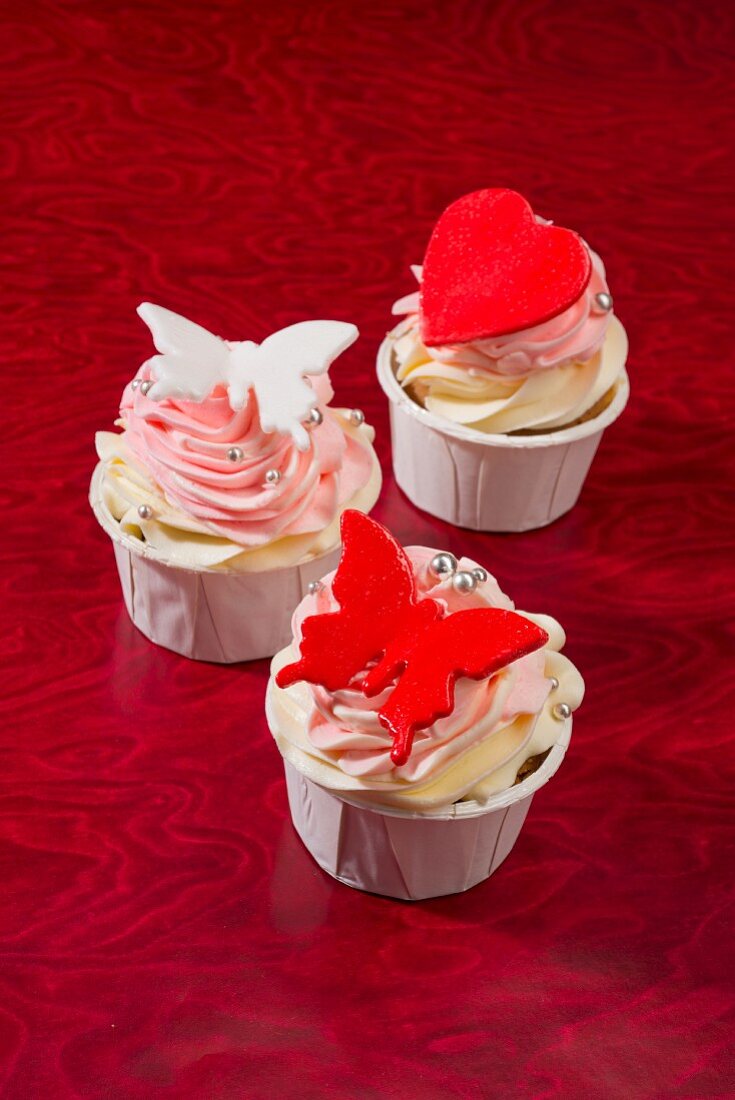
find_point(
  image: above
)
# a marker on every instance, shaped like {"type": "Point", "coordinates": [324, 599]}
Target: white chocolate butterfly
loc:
{"type": "Point", "coordinates": [193, 361]}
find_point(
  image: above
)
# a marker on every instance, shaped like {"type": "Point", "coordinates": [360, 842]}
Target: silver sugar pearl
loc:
{"type": "Point", "coordinates": [135, 383]}
{"type": "Point", "coordinates": [554, 683]}
{"type": "Point", "coordinates": [145, 386]}
{"type": "Point", "coordinates": [562, 711]}
{"type": "Point", "coordinates": [313, 587]}
{"type": "Point", "coordinates": [145, 511]}
{"type": "Point", "coordinates": [272, 477]}
{"type": "Point", "coordinates": [443, 564]}
{"type": "Point", "coordinates": [603, 301]}
{"type": "Point", "coordinates": [357, 416]}
{"type": "Point", "coordinates": [480, 574]}
{"type": "Point", "coordinates": [235, 454]}
{"type": "Point", "coordinates": [315, 418]}
{"type": "Point", "coordinates": [464, 582]}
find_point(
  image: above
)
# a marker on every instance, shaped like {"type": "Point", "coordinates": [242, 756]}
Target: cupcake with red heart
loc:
{"type": "Point", "coordinates": [508, 366]}
{"type": "Point", "coordinates": [223, 491]}
{"type": "Point", "coordinates": [417, 713]}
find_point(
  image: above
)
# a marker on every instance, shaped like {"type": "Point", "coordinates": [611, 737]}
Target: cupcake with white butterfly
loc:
{"type": "Point", "coordinates": [223, 490]}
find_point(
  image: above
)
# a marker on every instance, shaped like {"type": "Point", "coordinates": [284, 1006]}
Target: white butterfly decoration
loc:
{"type": "Point", "coordinates": [192, 361]}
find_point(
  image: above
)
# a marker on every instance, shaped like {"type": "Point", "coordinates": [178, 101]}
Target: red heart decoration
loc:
{"type": "Point", "coordinates": [492, 269]}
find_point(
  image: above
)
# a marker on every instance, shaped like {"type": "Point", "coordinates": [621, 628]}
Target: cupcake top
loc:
{"type": "Point", "coordinates": [228, 455]}
{"type": "Point", "coordinates": [412, 681]}
{"type": "Point", "coordinates": [513, 327]}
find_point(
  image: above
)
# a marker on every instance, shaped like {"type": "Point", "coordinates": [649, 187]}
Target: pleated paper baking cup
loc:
{"type": "Point", "coordinates": [413, 856]}
{"type": "Point", "coordinates": [488, 482]}
{"type": "Point", "coordinates": [208, 615]}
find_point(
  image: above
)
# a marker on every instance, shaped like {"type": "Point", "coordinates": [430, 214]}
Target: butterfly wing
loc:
{"type": "Point", "coordinates": [375, 588]}
{"type": "Point", "coordinates": [276, 371]}
{"type": "Point", "coordinates": [192, 361]}
{"type": "Point", "coordinates": [473, 643]}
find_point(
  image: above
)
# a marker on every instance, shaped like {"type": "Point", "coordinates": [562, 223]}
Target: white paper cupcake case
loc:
{"type": "Point", "coordinates": [208, 615]}
{"type": "Point", "coordinates": [488, 482]}
{"type": "Point", "coordinates": [413, 856]}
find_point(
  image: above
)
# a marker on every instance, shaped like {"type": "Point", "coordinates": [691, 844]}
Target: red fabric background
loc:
{"type": "Point", "coordinates": [162, 931]}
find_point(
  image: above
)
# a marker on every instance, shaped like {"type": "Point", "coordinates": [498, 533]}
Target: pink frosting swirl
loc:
{"type": "Point", "coordinates": [575, 336]}
{"type": "Point", "coordinates": [344, 724]}
{"type": "Point", "coordinates": [184, 445]}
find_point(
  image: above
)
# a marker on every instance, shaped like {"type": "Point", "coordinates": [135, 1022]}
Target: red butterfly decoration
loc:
{"type": "Point", "coordinates": [382, 619]}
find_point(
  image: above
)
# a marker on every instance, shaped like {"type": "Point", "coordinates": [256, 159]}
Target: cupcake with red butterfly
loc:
{"type": "Point", "coordinates": [507, 368]}
{"type": "Point", "coordinates": [417, 712]}
{"type": "Point", "coordinates": [223, 491]}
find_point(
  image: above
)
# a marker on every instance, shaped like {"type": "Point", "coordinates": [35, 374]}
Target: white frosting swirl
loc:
{"type": "Point", "coordinates": [204, 511]}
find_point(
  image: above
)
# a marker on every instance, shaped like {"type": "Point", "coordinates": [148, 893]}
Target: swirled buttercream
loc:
{"type": "Point", "coordinates": [539, 379]}
{"type": "Point", "coordinates": [189, 479]}
{"type": "Point", "coordinates": [497, 724]}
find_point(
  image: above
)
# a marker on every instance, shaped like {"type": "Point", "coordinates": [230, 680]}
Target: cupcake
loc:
{"type": "Point", "coordinates": [223, 491]}
{"type": "Point", "coordinates": [416, 713]}
{"type": "Point", "coordinates": [506, 369]}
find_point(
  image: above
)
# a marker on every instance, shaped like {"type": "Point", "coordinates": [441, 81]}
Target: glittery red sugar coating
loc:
{"type": "Point", "coordinates": [382, 619]}
{"type": "Point", "coordinates": [491, 269]}
{"type": "Point", "coordinates": [473, 643]}
{"type": "Point", "coordinates": [376, 592]}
